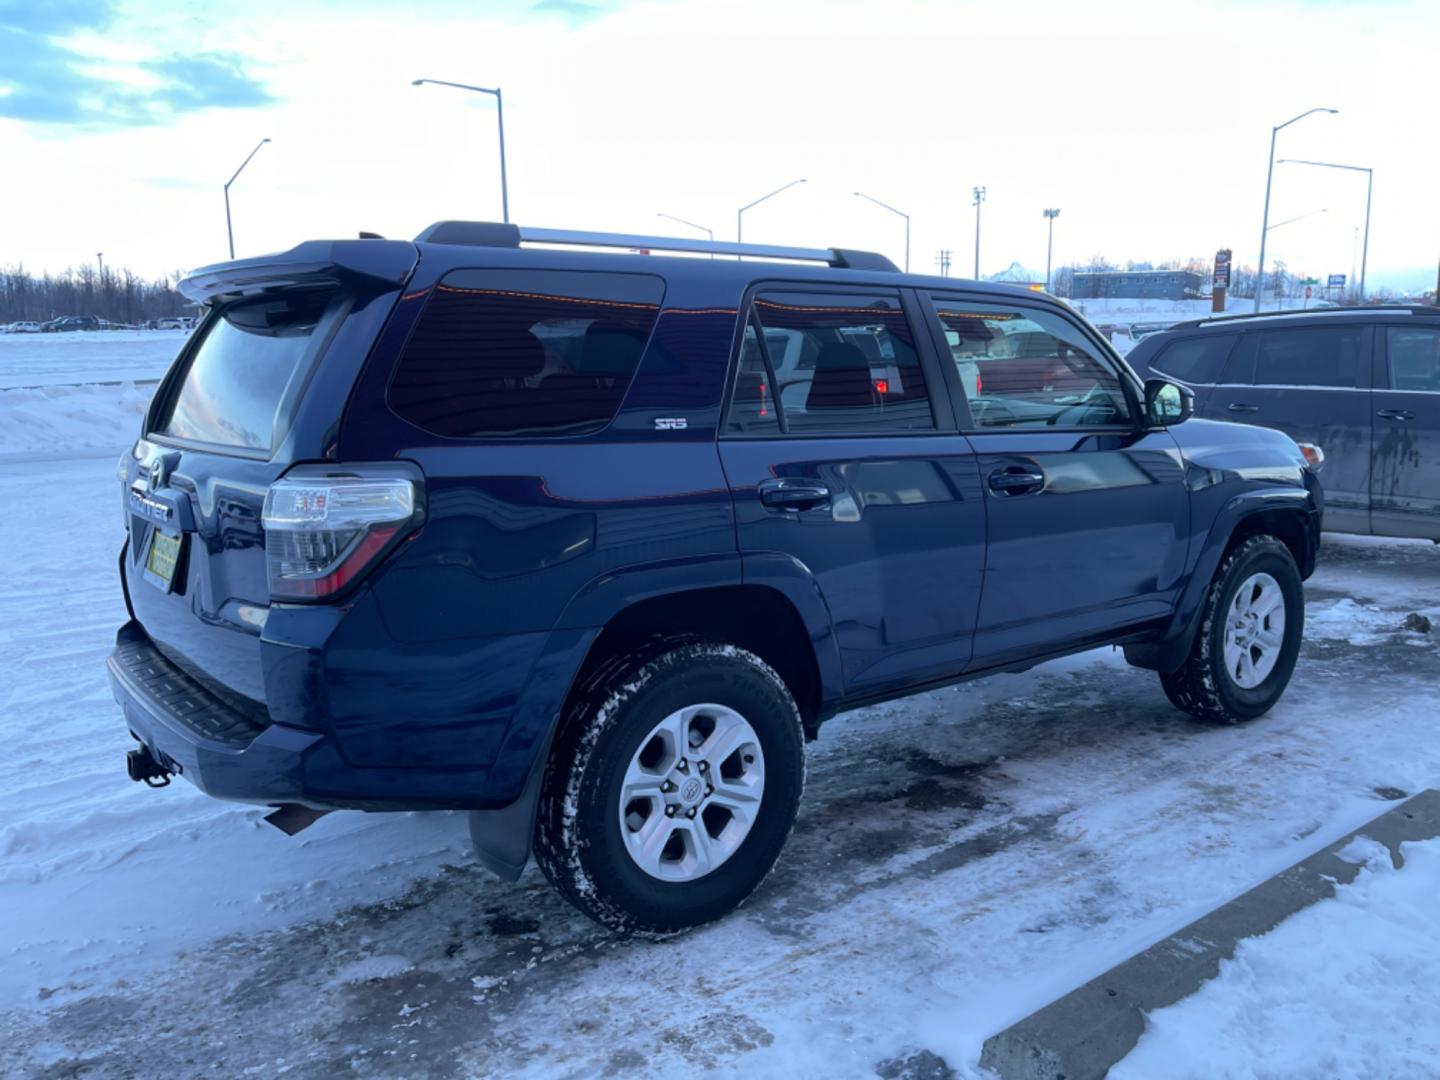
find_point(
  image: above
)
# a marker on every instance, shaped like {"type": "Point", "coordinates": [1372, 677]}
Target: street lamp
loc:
{"type": "Point", "coordinates": [1269, 175]}
{"type": "Point", "coordinates": [703, 228]}
{"type": "Point", "coordinates": [229, 231]}
{"type": "Point", "coordinates": [740, 214]}
{"type": "Point", "coordinates": [500, 119]}
{"type": "Point", "coordinates": [979, 198]}
{"type": "Point", "coordinates": [1051, 214]}
{"type": "Point", "coordinates": [902, 213]}
{"type": "Point", "coordinates": [1369, 186]}
{"type": "Point", "coordinates": [1299, 217]}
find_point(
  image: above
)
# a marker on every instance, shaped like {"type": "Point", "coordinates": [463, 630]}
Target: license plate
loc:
{"type": "Point", "coordinates": [163, 557]}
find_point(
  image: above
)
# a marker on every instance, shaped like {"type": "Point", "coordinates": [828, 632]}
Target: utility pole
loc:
{"type": "Point", "coordinates": [979, 198]}
{"type": "Point", "coordinates": [1051, 214]}
{"type": "Point", "coordinates": [942, 260]}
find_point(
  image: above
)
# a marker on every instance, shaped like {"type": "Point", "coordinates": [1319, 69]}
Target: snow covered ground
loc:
{"type": "Point", "coordinates": [1345, 988]}
{"type": "Point", "coordinates": [962, 858]}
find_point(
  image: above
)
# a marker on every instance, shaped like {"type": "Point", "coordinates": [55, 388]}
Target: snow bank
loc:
{"type": "Point", "coordinates": [86, 356]}
{"type": "Point", "coordinates": [64, 419]}
{"type": "Point", "coordinates": [1344, 988]}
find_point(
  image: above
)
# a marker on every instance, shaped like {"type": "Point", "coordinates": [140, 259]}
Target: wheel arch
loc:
{"type": "Point", "coordinates": [1288, 514]}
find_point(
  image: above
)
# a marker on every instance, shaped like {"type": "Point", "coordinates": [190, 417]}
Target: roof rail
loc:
{"type": "Point", "coordinates": [1295, 313]}
{"type": "Point", "coordinates": [493, 234]}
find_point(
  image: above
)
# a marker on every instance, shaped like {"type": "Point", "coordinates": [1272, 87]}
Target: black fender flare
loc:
{"type": "Point", "coordinates": [1169, 651]}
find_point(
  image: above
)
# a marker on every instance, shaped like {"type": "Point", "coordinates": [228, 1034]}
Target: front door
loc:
{"type": "Point", "coordinates": [1088, 512]}
{"type": "Point", "coordinates": [842, 457]}
{"type": "Point", "coordinates": [1405, 480]}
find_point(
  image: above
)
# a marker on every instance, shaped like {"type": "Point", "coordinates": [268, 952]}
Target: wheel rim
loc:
{"type": "Point", "coordinates": [691, 792]}
{"type": "Point", "coordinates": [1254, 631]}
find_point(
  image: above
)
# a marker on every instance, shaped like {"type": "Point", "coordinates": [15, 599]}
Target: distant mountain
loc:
{"type": "Point", "coordinates": [1015, 274]}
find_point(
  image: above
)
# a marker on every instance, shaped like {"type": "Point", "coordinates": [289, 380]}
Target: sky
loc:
{"type": "Point", "coordinates": [1147, 124]}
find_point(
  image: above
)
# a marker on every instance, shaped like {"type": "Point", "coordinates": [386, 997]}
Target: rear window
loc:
{"type": "Point", "coordinates": [240, 377]}
{"type": "Point", "coordinates": [1194, 360]}
{"type": "Point", "coordinates": [525, 352]}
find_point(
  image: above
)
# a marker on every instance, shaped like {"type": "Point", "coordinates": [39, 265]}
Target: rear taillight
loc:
{"type": "Point", "coordinates": [323, 530]}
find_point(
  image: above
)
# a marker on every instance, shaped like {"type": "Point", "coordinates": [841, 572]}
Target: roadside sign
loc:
{"type": "Point", "coordinates": [1310, 281]}
{"type": "Point", "coordinates": [1221, 279]}
{"type": "Point", "coordinates": [1337, 281]}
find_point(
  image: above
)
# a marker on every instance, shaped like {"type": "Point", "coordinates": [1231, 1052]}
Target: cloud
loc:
{"type": "Point", "coordinates": [46, 82]}
{"type": "Point", "coordinates": [205, 80]}
{"type": "Point", "coordinates": [573, 9]}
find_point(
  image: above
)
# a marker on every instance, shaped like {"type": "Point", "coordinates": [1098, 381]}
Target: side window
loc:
{"type": "Point", "coordinates": [1027, 367]}
{"type": "Point", "coordinates": [752, 407]}
{"type": "Point", "coordinates": [1414, 355]}
{"type": "Point", "coordinates": [1328, 356]}
{"type": "Point", "coordinates": [525, 352]}
{"type": "Point", "coordinates": [1194, 360]}
{"type": "Point", "coordinates": [839, 363]}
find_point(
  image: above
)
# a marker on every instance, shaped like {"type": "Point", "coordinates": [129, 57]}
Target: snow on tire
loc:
{"type": "Point", "coordinates": [1249, 637]}
{"type": "Point", "coordinates": [672, 789]}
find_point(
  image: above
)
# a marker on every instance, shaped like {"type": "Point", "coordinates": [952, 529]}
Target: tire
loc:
{"type": "Point", "coordinates": [643, 868]}
{"type": "Point", "coordinates": [1206, 686]}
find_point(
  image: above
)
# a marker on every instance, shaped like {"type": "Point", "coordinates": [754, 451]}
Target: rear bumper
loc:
{"type": "Point", "coordinates": [195, 735]}
{"type": "Point", "coordinates": [228, 754]}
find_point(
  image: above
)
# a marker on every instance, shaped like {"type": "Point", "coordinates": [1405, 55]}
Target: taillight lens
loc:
{"type": "Point", "coordinates": [324, 531]}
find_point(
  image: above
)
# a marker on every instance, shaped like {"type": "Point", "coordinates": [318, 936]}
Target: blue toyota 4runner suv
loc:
{"type": "Point", "coordinates": [591, 543]}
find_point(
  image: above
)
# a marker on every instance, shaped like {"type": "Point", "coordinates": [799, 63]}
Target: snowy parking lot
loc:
{"type": "Point", "coordinates": [961, 858]}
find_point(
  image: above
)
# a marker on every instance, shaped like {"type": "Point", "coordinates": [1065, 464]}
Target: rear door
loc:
{"type": "Point", "coordinates": [1313, 383]}
{"type": "Point", "coordinates": [1087, 511]}
{"type": "Point", "coordinates": [1196, 361]}
{"type": "Point", "coordinates": [859, 478]}
{"type": "Point", "coordinates": [1405, 480]}
{"type": "Point", "coordinates": [247, 398]}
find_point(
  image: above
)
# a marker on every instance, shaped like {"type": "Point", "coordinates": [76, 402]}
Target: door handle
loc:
{"type": "Point", "coordinates": [1241, 406]}
{"type": "Point", "coordinates": [1396, 414]}
{"type": "Point", "coordinates": [1016, 480]}
{"type": "Point", "coordinates": [793, 494]}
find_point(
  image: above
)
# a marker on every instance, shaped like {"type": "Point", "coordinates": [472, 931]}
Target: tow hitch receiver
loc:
{"type": "Point", "coordinates": [142, 766]}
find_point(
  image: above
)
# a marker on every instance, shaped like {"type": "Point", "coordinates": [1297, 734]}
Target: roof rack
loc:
{"type": "Point", "coordinates": [1295, 313]}
{"type": "Point", "coordinates": [495, 234]}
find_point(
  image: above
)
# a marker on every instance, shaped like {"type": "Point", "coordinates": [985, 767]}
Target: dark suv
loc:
{"type": "Point", "coordinates": [1361, 383]}
{"type": "Point", "coordinates": [591, 543]}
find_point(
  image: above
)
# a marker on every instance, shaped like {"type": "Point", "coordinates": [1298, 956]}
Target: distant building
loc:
{"type": "Point", "coordinates": [1138, 285]}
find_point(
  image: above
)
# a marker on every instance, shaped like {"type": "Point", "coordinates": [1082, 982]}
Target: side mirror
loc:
{"type": "Point", "coordinates": [1168, 403]}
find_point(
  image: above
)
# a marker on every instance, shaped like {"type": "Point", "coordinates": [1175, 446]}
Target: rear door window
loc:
{"type": "Point", "coordinates": [525, 352]}
{"type": "Point", "coordinates": [1194, 360]}
{"type": "Point", "coordinates": [1321, 356]}
{"type": "Point", "coordinates": [244, 372]}
{"type": "Point", "coordinates": [830, 362]}
{"type": "Point", "coordinates": [1414, 355]}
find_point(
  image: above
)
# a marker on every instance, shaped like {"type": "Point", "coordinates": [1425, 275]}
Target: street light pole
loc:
{"type": "Point", "coordinates": [100, 258]}
{"type": "Point", "coordinates": [703, 228]}
{"type": "Point", "coordinates": [229, 230]}
{"type": "Point", "coordinates": [1052, 213]}
{"type": "Point", "coordinates": [740, 214]}
{"type": "Point", "coordinates": [902, 213]}
{"type": "Point", "coordinates": [1269, 175]}
{"type": "Point", "coordinates": [1369, 186]}
{"type": "Point", "coordinates": [979, 198]}
{"type": "Point", "coordinates": [500, 122]}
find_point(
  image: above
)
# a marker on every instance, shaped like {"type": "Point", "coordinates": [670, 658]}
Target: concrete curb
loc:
{"type": "Point", "coordinates": [1081, 1035]}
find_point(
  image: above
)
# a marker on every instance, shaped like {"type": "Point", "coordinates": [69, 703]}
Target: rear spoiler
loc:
{"type": "Point", "coordinates": [383, 261]}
